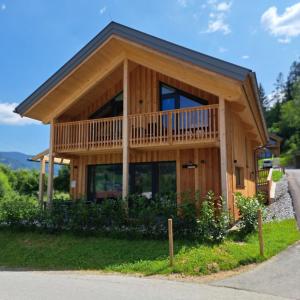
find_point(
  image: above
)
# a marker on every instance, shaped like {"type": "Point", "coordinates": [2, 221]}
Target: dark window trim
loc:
{"type": "Point", "coordinates": [176, 95]}
{"type": "Point", "coordinates": [240, 185]}
{"type": "Point", "coordinates": [91, 196]}
{"type": "Point", "coordinates": [155, 170]}
{"type": "Point", "coordinates": [94, 114]}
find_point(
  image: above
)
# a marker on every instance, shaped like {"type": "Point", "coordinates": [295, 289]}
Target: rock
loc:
{"type": "Point", "coordinates": [282, 207]}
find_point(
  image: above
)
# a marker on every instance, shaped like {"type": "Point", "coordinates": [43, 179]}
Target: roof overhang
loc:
{"type": "Point", "coordinates": [236, 76]}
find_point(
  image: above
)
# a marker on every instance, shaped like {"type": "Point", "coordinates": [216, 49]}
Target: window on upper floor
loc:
{"type": "Point", "coordinates": [172, 98]}
{"type": "Point", "coordinates": [113, 108]}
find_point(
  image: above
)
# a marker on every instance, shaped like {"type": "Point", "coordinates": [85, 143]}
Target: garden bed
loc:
{"type": "Point", "coordinates": [33, 250]}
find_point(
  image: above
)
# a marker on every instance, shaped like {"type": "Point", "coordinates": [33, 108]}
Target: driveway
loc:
{"type": "Point", "coordinates": [62, 285]}
{"type": "Point", "coordinates": [293, 176]}
{"type": "Point", "coordinates": [280, 276]}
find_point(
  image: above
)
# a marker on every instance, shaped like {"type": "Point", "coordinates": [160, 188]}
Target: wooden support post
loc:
{"type": "Point", "coordinates": [171, 241]}
{"type": "Point", "coordinates": [260, 232]}
{"type": "Point", "coordinates": [223, 151]}
{"type": "Point", "coordinates": [170, 127]}
{"type": "Point", "coordinates": [50, 167]}
{"type": "Point", "coordinates": [178, 176]}
{"type": "Point", "coordinates": [125, 178]}
{"type": "Point", "coordinates": [41, 181]}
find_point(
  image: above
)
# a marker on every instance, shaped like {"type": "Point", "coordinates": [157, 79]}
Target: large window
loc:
{"type": "Point", "coordinates": [172, 98]}
{"type": "Point", "coordinates": [112, 108]}
{"type": "Point", "coordinates": [147, 179]}
{"type": "Point", "coordinates": [104, 181]}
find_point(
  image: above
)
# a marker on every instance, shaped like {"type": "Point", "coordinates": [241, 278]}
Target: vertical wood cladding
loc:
{"type": "Point", "coordinates": [208, 170]}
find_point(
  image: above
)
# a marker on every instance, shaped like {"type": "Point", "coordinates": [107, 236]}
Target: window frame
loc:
{"type": "Point", "coordinates": [110, 102]}
{"type": "Point", "coordinates": [239, 184]}
{"type": "Point", "coordinates": [155, 175]}
{"type": "Point", "coordinates": [176, 95]}
{"type": "Point", "coordinates": [91, 172]}
{"type": "Point", "coordinates": [91, 169]}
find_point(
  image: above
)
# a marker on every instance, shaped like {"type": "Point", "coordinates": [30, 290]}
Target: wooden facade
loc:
{"type": "Point", "coordinates": [217, 138]}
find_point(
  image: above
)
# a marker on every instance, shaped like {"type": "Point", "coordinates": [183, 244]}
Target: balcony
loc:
{"type": "Point", "coordinates": [190, 127]}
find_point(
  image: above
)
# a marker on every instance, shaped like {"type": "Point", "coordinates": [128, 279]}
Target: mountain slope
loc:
{"type": "Point", "coordinates": [17, 160]}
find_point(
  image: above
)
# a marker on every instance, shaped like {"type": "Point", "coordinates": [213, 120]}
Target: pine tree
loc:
{"type": "Point", "coordinates": [279, 94]}
{"type": "Point", "coordinates": [293, 77]}
{"type": "Point", "coordinates": [263, 99]}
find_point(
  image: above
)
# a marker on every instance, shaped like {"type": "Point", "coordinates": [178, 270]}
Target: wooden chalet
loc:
{"type": "Point", "coordinates": [137, 114]}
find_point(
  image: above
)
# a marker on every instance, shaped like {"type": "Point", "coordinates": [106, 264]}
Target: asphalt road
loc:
{"type": "Point", "coordinates": [61, 285]}
{"type": "Point", "coordinates": [280, 276]}
{"type": "Point", "coordinates": [293, 176]}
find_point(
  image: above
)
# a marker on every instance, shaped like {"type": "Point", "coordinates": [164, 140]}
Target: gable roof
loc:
{"type": "Point", "coordinates": [204, 61]}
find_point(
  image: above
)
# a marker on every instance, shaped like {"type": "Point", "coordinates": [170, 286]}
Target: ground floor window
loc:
{"type": "Point", "coordinates": [239, 177]}
{"type": "Point", "coordinates": [104, 181]}
{"type": "Point", "coordinates": [147, 179]}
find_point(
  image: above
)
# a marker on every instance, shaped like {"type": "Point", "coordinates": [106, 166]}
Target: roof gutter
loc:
{"type": "Point", "coordinates": [253, 81]}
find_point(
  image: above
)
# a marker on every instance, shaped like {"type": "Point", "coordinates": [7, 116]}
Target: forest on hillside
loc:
{"type": "Point", "coordinates": [282, 109]}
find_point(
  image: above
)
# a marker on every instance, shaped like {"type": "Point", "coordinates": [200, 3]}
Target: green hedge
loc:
{"type": "Point", "coordinates": [137, 217]}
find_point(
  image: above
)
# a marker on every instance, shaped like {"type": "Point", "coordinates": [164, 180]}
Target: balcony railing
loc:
{"type": "Point", "coordinates": [163, 128]}
{"type": "Point", "coordinates": [181, 126]}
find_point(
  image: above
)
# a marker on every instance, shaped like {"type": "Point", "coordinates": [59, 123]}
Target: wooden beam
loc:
{"type": "Point", "coordinates": [125, 130]}
{"type": "Point", "coordinates": [196, 161]}
{"type": "Point", "coordinates": [178, 176]}
{"type": "Point", "coordinates": [223, 151]}
{"type": "Point", "coordinates": [41, 181]}
{"type": "Point", "coordinates": [182, 71]}
{"type": "Point", "coordinates": [108, 67]}
{"type": "Point", "coordinates": [237, 107]}
{"type": "Point", "coordinates": [50, 167]}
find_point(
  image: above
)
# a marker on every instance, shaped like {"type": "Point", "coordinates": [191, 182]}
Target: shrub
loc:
{"type": "Point", "coordinates": [4, 185]}
{"type": "Point", "coordinates": [17, 211]}
{"type": "Point", "coordinates": [26, 182]}
{"type": "Point", "coordinates": [213, 221]}
{"type": "Point", "coordinates": [145, 217]}
{"type": "Point", "coordinates": [248, 207]}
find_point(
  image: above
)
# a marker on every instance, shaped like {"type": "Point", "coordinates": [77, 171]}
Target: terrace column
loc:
{"type": "Point", "coordinates": [223, 151]}
{"type": "Point", "coordinates": [50, 167]}
{"type": "Point", "coordinates": [41, 180]}
{"type": "Point", "coordinates": [125, 177]}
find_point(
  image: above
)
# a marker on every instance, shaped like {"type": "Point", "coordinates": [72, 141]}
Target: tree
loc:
{"type": "Point", "coordinates": [276, 98]}
{"type": "Point", "coordinates": [290, 120]}
{"type": "Point", "coordinates": [62, 181]}
{"type": "Point", "coordinates": [263, 98]}
{"type": "Point", "coordinates": [293, 78]}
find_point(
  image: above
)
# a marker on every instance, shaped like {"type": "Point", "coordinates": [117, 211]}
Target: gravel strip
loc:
{"type": "Point", "coordinates": [282, 207]}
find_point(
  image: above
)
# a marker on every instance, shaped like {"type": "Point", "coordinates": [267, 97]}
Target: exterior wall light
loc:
{"type": "Point", "coordinates": [189, 165]}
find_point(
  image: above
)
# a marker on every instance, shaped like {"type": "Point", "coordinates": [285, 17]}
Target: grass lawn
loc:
{"type": "Point", "coordinates": [276, 175]}
{"type": "Point", "coordinates": [69, 252]}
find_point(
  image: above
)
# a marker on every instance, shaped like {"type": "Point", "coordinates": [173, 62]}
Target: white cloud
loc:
{"type": "Point", "coordinates": [245, 57]}
{"type": "Point", "coordinates": [182, 3]}
{"type": "Point", "coordinates": [218, 15]}
{"type": "Point", "coordinates": [284, 26]}
{"type": "Point", "coordinates": [8, 117]}
{"type": "Point", "coordinates": [3, 6]}
{"type": "Point", "coordinates": [103, 10]}
{"type": "Point", "coordinates": [223, 6]}
{"type": "Point", "coordinates": [218, 24]}
{"type": "Point", "coordinates": [222, 50]}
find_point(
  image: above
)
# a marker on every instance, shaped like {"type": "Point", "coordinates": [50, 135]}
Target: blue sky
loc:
{"type": "Point", "coordinates": [38, 36]}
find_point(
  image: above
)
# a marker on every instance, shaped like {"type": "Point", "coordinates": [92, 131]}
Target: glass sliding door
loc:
{"type": "Point", "coordinates": [146, 179]}
{"type": "Point", "coordinates": [149, 179]}
{"type": "Point", "coordinates": [141, 180]}
{"type": "Point", "coordinates": [104, 181]}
